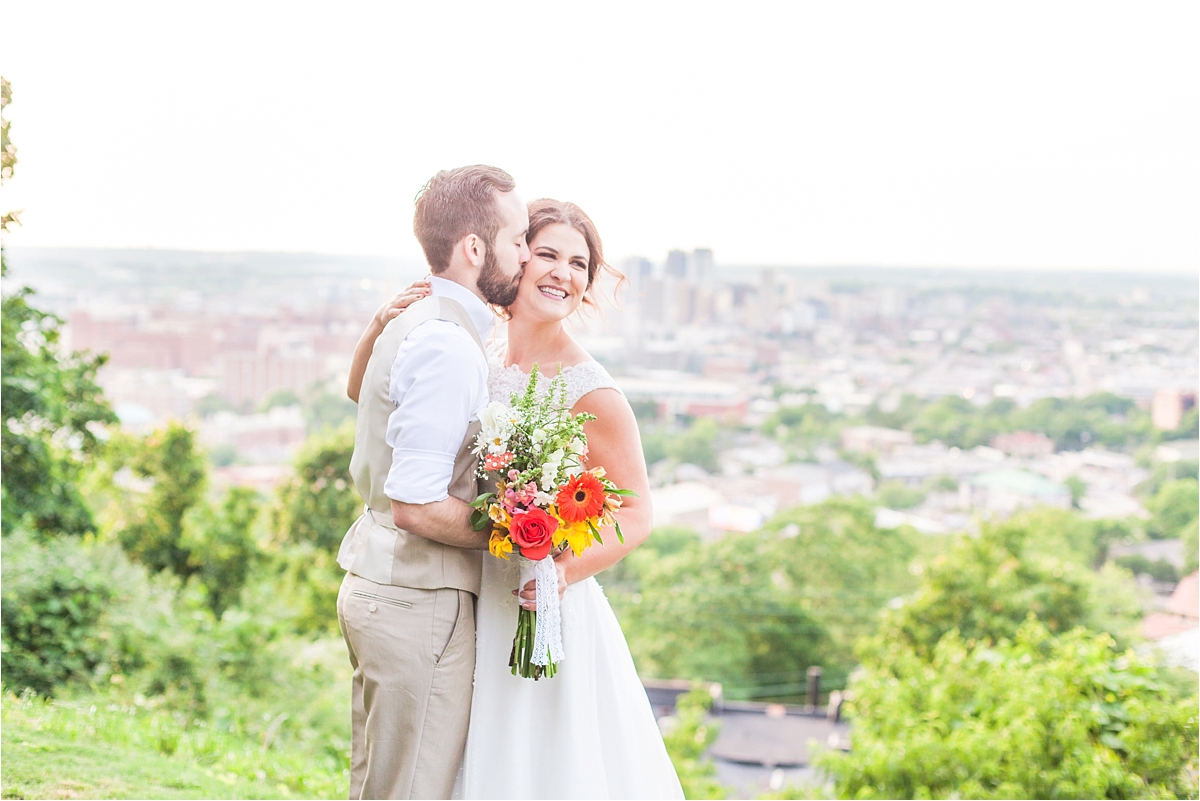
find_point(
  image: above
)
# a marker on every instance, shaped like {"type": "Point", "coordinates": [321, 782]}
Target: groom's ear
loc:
{"type": "Point", "coordinates": [474, 249]}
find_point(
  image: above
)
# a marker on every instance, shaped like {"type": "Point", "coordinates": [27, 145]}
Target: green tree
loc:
{"type": "Point", "coordinates": [753, 611]}
{"type": "Point", "coordinates": [1076, 423]}
{"type": "Point", "coordinates": [690, 735]}
{"type": "Point", "coordinates": [280, 397]}
{"type": "Point", "coordinates": [312, 511]}
{"type": "Point", "coordinates": [1190, 534]}
{"type": "Point", "coordinates": [902, 416]}
{"type": "Point", "coordinates": [898, 495]}
{"type": "Point", "coordinates": [151, 527]}
{"type": "Point", "coordinates": [1031, 716]}
{"type": "Point", "coordinates": [844, 570]}
{"type": "Point", "coordinates": [50, 405]}
{"type": "Point", "coordinates": [985, 587]}
{"type": "Point", "coordinates": [325, 409]}
{"type": "Point", "coordinates": [803, 426]}
{"type": "Point", "coordinates": [1189, 425]}
{"type": "Point", "coordinates": [956, 421]}
{"type": "Point", "coordinates": [1078, 488]}
{"type": "Point", "coordinates": [51, 408]}
{"type": "Point", "coordinates": [1174, 507]}
{"type": "Point", "coordinates": [721, 612]}
{"type": "Point", "coordinates": [221, 546]}
{"type": "Point", "coordinates": [318, 502]}
{"type": "Point", "coordinates": [695, 445]}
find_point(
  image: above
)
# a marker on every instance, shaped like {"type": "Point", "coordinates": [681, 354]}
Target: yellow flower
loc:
{"type": "Point", "coordinates": [577, 535]}
{"type": "Point", "coordinates": [499, 544]}
{"type": "Point", "coordinates": [499, 516]}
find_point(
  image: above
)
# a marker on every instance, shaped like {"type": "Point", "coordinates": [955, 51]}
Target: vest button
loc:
{"type": "Point", "coordinates": [371, 607]}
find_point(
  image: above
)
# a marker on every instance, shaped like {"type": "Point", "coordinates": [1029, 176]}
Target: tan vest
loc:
{"type": "Point", "coordinates": [373, 547]}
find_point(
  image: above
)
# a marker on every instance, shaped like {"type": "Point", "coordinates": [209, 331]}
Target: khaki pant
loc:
{"type": "Point", "coordinates": [413, 653]}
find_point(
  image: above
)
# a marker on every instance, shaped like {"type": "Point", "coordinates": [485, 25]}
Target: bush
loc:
{"type": "Point", "coordinates": [64, 612]}
{"type": "Point", "coordinates": [1175, 507]}
{"type": "Point", "coordinates": [150, 524]}
{"type": "Point", "coordinates": [1037, 716]}
{"type": "Point", "coordinates": [753, 611]}
{"type": "Point", "coordinates": [50, 407]}
{"type": "Point", "coordinates": [221, 545]}
{"type": "Point", "coordinates": [1159, 569]}
{"type": "Point", "coordinates": [312, 511]}
{"type": "Point", "coordinates": [687, 740]}
{"type": "Point", "coordinates": [897, 495]}
{"type": "Point", "coordinates": [985, 587]}
{"type": "Point", "coordinates": [694, 445]}
{"type": "Point", "coordinates": [318, 503]}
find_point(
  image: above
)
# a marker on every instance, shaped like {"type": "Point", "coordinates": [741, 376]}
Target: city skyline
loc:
{"type": "Point", "coordinates": [933, 135]}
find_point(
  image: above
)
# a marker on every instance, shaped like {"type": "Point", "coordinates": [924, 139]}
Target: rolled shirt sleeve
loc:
{"type": "Point", "coordinates": [439, 385]}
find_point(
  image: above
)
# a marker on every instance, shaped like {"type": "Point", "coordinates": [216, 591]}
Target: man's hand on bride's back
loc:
{"type": "Point", "coordinates": [403, 299]}
{"type": "Point", "coordinates": [529, 593]}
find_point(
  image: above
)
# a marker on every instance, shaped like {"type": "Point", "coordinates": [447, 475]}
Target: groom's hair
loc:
{"type": "Point", "coordinates": [456, 203]}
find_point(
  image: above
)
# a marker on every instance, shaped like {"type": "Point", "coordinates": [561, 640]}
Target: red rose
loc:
{"type": "Point", "coordinates": [533, 532]}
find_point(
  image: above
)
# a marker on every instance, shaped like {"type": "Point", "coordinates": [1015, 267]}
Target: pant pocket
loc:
{"type": "Point", "coordinates": [370, 596]}
{"type": "Point", "coordinates": [446, 613]}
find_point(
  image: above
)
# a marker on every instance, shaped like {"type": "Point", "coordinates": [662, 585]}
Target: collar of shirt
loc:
{"type": "Point", "coordinates": [479, 312]}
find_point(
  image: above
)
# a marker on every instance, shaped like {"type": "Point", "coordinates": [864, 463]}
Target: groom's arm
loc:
{"type": "Point", "coordinates": [447, 521]}
{"type": "Point", "coordinates": [438, 383]}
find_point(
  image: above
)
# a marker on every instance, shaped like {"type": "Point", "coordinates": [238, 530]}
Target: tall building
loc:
{"type": "Point", "coordinates": [654, 302]}
{"type": "Point", "coordinates": [677, 265]}
{"type": "Point", "coordinates": [702, 266]}
{"type": "Point", "coordinates": [638, 271]}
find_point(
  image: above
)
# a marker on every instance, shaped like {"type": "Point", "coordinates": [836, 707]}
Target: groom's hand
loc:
{"type": "Point", "coordinates": [529, 591]}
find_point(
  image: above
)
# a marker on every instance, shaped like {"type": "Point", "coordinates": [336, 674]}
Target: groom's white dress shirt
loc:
{"type": "Point", "coordinates": [439, 386]}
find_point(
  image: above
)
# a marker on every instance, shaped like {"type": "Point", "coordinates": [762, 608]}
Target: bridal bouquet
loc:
{"type": "Point", "coordinates": [544, 502]}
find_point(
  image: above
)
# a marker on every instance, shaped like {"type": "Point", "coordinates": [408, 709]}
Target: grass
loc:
{"type": "Point", "coordinates": [95, 748]}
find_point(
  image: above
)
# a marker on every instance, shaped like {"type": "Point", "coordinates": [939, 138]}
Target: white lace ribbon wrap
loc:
{"type": "Point", "coordinates": [547, 633]}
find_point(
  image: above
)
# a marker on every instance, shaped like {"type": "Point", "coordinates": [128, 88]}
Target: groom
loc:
{"type": "Point", "coordinates": [407, 605]}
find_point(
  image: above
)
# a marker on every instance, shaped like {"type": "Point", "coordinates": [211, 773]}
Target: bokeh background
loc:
{"type": "Point", "coordinates": [909, 324]}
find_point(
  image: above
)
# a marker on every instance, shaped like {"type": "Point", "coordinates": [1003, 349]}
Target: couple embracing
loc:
{"type": "Point", "coordinates": [426, 614]}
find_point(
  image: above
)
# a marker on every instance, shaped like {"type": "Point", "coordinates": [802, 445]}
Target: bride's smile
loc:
{"type": "Point", "coordinates": [556, 276]}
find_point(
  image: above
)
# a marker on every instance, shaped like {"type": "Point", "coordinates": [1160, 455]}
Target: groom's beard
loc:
{"type": "Point", "coordinates": [497, 288]}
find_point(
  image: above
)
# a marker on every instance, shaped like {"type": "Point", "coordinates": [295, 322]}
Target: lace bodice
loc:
{"type": "Point", "coordinates": [581, 378]}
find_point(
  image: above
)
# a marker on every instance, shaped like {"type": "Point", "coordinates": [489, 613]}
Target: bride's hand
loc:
{"type": "Point", "coordinates": [403, 299]}
{"type": "Point", "coordinates": [529, 592]}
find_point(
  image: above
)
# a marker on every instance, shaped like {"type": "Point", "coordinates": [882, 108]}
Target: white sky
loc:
{"type": "Point", "coordinates": [954, 134]}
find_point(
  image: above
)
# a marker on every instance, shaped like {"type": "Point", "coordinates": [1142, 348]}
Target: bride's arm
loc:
{"type": "Point", "coordinates": [613, 443]}
{"type": "Point", "coordinates": [383, 315]}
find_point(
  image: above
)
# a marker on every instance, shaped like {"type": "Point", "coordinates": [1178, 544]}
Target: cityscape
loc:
{"type": "Point", "coordinates": [946, 398]}
{"type": "Point", "coordinates": [255, 348]}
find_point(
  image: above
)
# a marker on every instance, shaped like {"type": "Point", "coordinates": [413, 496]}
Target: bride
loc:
{"type": "Point", "coordinates": [588, 732]}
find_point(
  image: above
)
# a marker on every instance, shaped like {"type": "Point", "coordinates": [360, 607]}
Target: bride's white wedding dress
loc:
{"type": "Point", "coordinates": [588, 732]}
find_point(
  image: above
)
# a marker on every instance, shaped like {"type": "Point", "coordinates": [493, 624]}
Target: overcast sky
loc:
{"type": "Point", "coordinates": [951, 134]}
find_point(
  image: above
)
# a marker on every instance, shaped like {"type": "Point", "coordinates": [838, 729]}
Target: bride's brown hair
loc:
{"type": "Point", "coordinates": [546, 211]}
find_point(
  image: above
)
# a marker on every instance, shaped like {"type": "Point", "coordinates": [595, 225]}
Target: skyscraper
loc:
{"type": "Point", "coordinates": [638, 271]}
{"type": "Point", "coordinates": [677, 265]}
{"type": "Point", "coordinates": [702, 266]}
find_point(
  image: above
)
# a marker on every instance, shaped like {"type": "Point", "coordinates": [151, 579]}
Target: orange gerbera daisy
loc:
{"type": "Point", "coordinates": [580, 498]}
